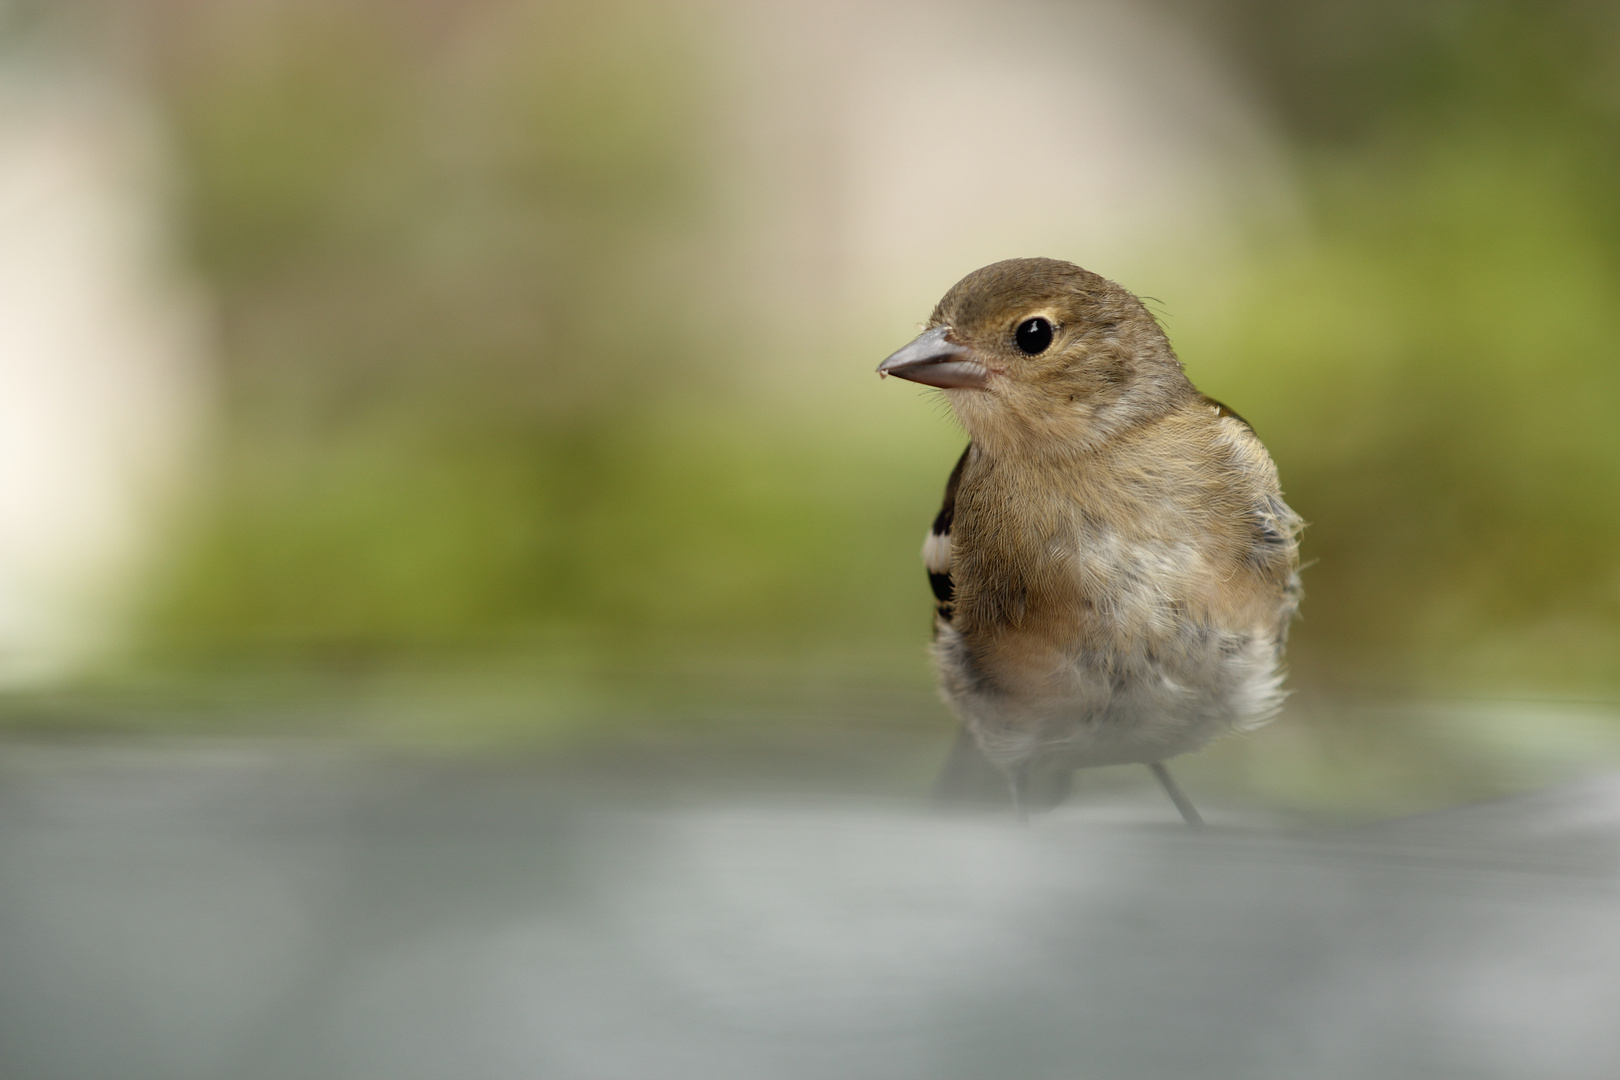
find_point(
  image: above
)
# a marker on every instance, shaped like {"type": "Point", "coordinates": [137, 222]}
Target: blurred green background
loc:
{"type": "Point", "coordinates": [540, 338]}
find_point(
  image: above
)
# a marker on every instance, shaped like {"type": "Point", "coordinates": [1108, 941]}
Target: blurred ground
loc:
{"type": "Point", "coordinates": [297, 912]}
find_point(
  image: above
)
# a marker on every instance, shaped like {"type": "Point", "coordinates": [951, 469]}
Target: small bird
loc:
{"type": "Point", "coordinates": [1114, 567]}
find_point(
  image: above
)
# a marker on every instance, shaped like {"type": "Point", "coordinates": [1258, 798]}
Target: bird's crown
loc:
{"type": "Point", "coordinates": [1041, 353]}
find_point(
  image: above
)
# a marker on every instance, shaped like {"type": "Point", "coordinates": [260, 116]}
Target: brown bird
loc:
{"type": "Point", "coordinates": [1114, 567]}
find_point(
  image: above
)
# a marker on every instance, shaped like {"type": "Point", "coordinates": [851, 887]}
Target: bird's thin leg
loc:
{"type": "Point", "coordinates": [970, 777]}
{"type": "Point", "coordinates": [1018, 782]}
{"type": "Point", "coordinates": [1189, 813]}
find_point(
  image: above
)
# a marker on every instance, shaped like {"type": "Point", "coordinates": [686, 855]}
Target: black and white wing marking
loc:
{"type": "Point", "coordinates": [936, 552]}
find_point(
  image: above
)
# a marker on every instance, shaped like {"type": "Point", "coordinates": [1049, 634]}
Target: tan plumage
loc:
{"type": "Point", "coordinates": [1121, 566]}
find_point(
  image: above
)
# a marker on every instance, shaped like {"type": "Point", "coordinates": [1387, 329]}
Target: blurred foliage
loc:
{"type": "Point", "coordinates": [479, 361]}
{"type": "Point", "coordinates": [464, 256]}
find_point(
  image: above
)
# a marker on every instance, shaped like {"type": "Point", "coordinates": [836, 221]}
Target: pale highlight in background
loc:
{"type": "Point", "coordinates": [103, 385]}
{"type": "Point", "coordinates": [892, 148]}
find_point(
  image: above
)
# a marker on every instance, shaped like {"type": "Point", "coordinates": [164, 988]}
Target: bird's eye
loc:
{"type": "Point", "coordinates": [1033, 336]}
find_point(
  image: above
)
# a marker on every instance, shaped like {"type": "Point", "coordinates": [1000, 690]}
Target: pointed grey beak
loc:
{"type": "Point", "coordinates": [934, 361]}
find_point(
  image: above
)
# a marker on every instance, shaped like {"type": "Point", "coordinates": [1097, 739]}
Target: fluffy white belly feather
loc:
{"type": "Point", "coordinates": [1148, 706]}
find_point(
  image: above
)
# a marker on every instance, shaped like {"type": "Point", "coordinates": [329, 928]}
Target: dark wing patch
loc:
{"type": "Point", "coordinates": [939, 573]}
{"type": "Point", "coordinates": [1274, 546]}
{"type": "Point", "coordinates": [1275, 552]}
{"type": "Point", "coordinates": [1275, 524]}
{"type": "Point", "coordinates": [1222, 410]}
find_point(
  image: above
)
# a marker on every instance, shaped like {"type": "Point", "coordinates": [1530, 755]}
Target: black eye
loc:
{"type": "Point", "coordinates": [1033, 336]}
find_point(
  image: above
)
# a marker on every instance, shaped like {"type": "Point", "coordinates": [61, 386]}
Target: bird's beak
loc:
{"type": "Point", "coordinates": [934, 361]}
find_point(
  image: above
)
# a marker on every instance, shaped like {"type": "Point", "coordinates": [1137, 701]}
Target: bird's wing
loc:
{"type": "Point", "coordinates": [1275, 543]}
{"type": "Point", "coordinates": [936, 552]}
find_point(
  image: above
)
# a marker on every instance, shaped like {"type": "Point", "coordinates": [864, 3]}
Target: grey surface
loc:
{"type": "Point", "coordinates": [251, 914]}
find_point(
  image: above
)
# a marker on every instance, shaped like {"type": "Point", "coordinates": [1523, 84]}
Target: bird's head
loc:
{"type": "Point", "coordinates": [1041, 356]}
